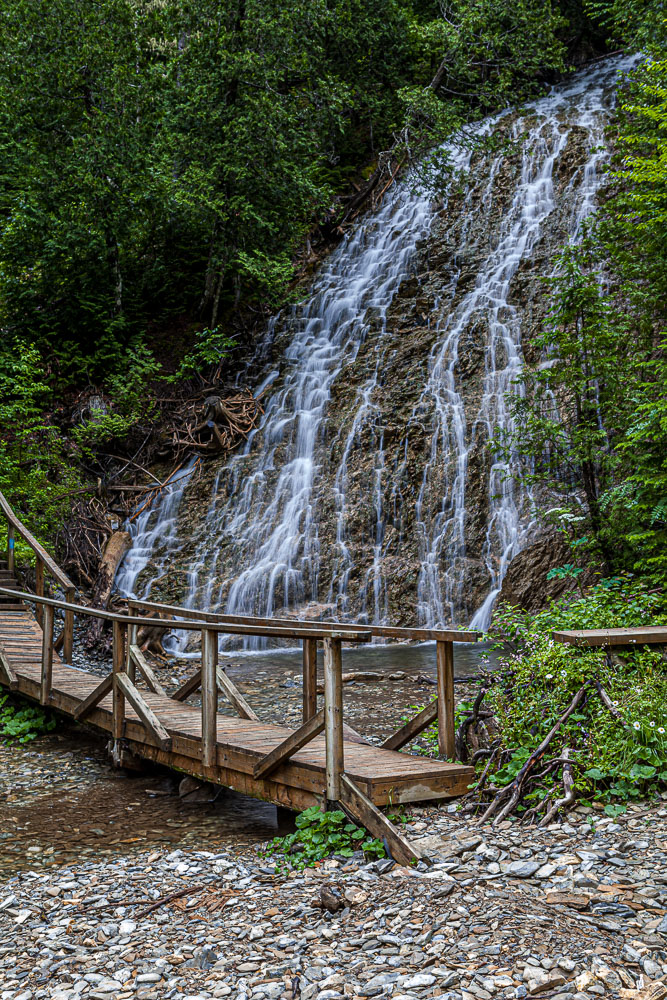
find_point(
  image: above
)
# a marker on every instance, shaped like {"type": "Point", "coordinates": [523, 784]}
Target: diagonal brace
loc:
{"type": "Point", "coordinates": [94, 698]}
{"type": "Point", "coordinates": [362, 810]}
{"type": "Point", "coordinates": [188, 687]}
{"type": "Point", "coordinates": [294, 742]}
{"type": "Point", "coordinates": [234, 696]}
{"type": "Point", "coordinates": [147, 671]}
{"type": "Point", "coordinates": [145, 713]}
{"type": "Point", "coordinates": [413, 728]}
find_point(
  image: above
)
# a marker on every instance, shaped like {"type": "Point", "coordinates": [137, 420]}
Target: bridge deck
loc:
{"type": "Point", "coordinates": [385, 776]}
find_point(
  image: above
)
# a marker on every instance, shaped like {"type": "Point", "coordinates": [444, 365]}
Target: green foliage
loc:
{"type": "Point", "coordinates": [168, 159]}
{"type": "Point", "coordinates": [321, 834]}
{"type": "Point", "coordinates": [591, 414]}
{"type": "Point", "coordinates": [131, 401]}
{"type": "Point", "coordinates": [211, 347]}
{"type": "Point", "coordinates": [22, 722]}
{"type": "Point", "coordinates": [34, 470]}
{"type": "Point", "coordinates": [615, 759]}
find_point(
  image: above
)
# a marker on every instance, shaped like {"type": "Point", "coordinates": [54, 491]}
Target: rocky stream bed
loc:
{"type": "Point", "coordinates": [115, 887]}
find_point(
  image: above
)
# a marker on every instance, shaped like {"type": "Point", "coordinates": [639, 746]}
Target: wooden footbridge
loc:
{"type": "Point", "coordinates": [324, 761]}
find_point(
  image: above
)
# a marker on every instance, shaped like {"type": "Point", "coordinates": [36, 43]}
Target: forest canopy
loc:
{"type": "Point", "coordinates": [169, 160]}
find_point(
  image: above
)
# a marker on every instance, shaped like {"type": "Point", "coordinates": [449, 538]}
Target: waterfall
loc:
{"type": "Point", "coordinates": [154, 536]}
{"type": "Point", "coordinates": [369, 489]}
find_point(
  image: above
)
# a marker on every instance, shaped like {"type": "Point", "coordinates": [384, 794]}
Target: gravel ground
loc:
{"type": "Point", "coordinates": [577, 909]}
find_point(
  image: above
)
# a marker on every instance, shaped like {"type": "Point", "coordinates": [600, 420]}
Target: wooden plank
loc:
{"type": "Point", "coordinates": [444, 653]}
{"type": "Point", "coordinates": [320, 629]}
{"type": "Point", "coordinates": [93, 699]}
{"type": "Point", "coordinates": [188, 687]}
{"type": "Point", "coordinates": [648, 636]}
{"type": "Point", "coordinates": [413, 728]}
{"type": "Point", "coordinates": [10, 678]}
{"type": "Point", "coordinates": [137, 658]}
{"type": "Point", "coordinates": [47, 655]}
{"type": "Point", "coordinates": [309, 679]}
{"type": "Point", "coordinates": [362, 810]}
{"type": "Point", "coordinates": [209, 696]}
{"type": "Point", "coordinates": [313, 727]}
{"type": "Point", "coordinates": [145, 713]}
{"type": "Point", "coordinates": [333, 714]}
{"type": "Point", "coordinates": [234, 696]}
{"type": "Point", "coordinates": [118, 728]}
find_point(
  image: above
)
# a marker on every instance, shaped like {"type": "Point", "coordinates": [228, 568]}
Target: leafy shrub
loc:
{"type": "Point", "coordinates": [21, 721]}
{"type": "Point", "coordinates": [617, 755]}
{"type": "Point", "coordinates": [321, 834]}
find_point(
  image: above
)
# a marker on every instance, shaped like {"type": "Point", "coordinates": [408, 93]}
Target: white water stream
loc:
{"type": "Point", "coordinates": [261, 549]}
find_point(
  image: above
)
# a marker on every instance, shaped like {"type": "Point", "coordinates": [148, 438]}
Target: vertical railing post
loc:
{"type": "Point", "coordinates": [132, 635]}
{"type": "Point", "coordinates": [11, 565]}
{"type": "Point", "coordinates": [39, 587]}
{"type": "Point", "coordinates": [444, 652]}
{"type": "Point", "coordinates": [68, 627]}
{"type": "Point", "coordinates": [309, 679]}
{"type": "Point", "coordinates": [209, 696]}
{"type": "Point", "coordinates": [47, 654]}
{"type": "Point", "coordinates": [118, 723]}
{"type": "Point", "coordinates": [333, 716]}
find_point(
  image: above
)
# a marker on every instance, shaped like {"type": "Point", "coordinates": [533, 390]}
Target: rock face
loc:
{"type": "Point", "coordinates": [373, 489]}
{"type": "Point", "coordinates": [525, 585]}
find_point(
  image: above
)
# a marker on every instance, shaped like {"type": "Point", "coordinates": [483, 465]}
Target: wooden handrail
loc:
{"type": "Point", "coordinates": [349, 634]}
{"type": "Point", "coordinates": [380, 631]}
{"type": "Point", "coordinates": [54, 569]}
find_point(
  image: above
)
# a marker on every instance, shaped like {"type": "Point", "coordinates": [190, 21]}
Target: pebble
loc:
{"type": "Point", "coordinates": [540, 924]}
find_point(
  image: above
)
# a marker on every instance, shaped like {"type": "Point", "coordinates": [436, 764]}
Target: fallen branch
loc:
{"type": "Point", "coordinates": [168, 899]}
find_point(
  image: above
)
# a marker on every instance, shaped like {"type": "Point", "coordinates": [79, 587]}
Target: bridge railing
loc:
{"type": "Point", "coordinates": [127, 659]}
{"type": "Point", "coordinates": [43, 562]}
{"type": "Point", "coordinates": [441, 709]}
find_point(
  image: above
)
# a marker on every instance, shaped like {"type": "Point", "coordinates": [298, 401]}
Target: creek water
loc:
{"type": "Point", "coordinates": [263, 545]}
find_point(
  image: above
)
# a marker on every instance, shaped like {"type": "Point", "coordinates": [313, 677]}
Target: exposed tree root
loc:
{"type": "Point", "coordinates": [508, 798]}
{"type": "Point", "coordinates": [568, 798]}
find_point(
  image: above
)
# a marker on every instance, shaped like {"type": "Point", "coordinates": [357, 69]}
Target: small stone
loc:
{"type": "Point", "coordinates": [651, 968]}
{"type": "Point", "coordinates": [355, 896]}
{"type": "Point", "coordinates": [523, 869]}
{"type": "Point", "coordinates": [418, 981]}
{"type": "Point", "coordinates": [330, 899]}
{"type": "Point", "coordinates": [547, 981]}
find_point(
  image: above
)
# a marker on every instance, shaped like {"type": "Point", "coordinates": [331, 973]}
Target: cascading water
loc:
{"type": "Point", "coordinates": [154, 536]}
{"type": "Point", "coordinates": [369, 485]}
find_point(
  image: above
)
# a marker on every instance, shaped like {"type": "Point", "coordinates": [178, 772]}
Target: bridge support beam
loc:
{"type": "Point", "coordinates": [209, 696]}
{"type": "Point", "coordinates": [444, 652]}
{"type": "Point", "coordinates": [118, 722]}
{"type": "Point", "coordinates": [333, 716]}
